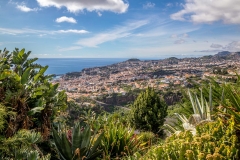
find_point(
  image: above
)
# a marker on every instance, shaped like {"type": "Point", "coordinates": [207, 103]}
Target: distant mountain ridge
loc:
{"type": "Point", "coordinates": [220, 56]}
{"type": "Point", "coordinates": [227, 55]}
{"type": "Point", "coordinates": [223, 53]}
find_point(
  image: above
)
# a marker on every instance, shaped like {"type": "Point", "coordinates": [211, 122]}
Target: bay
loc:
{"type": "Point", "coordinates": [61, 66]}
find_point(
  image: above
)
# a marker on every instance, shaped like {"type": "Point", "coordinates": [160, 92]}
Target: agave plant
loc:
{"type": "Point", "coordinates": [228, 96]}
{"type": "Point", "coordinates": [78, 143]}
{"type": "Point", "coordinates": [202, 113]}
{"type": "Point", "coordinates": [231, 101]}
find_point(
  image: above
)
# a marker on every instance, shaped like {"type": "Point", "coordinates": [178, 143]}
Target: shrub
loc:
{"type": "Point", "coordinates": [148, 112]}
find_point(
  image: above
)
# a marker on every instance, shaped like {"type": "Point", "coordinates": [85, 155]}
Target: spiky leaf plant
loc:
{"type": "Point", "coordinates": [202, 114]}
{"type": "Point", "coordinates": [78, 143]}
{"type": "Point", "coordinates": [22, 145]}
{"type": "Point", "coordinates": [119, 141]}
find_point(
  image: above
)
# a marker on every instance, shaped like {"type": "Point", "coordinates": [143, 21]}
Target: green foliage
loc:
{"type": "Point", "coordinates": [3, 115]}
{"type": "Point", "coordinates": [148, 138]}
{"type": "Point", "coordinates": [27, 92]}
{"type": "Point", "coordinates": [214, 140]}
{"type": "Point", "coordinates": [148, 111]}
{"type": "Point", "coordinates": [23, 145]}
{"type": "Point", "coordinates": [227, 96]}
{"type": "Point", "coordinates": [119, 140]}
{"type": "Point", "coordinates": [79, 112]}
{"type": "Point", "coordinates": [77, 143]}
{"type": "Point", "coordinates": [231, 102]}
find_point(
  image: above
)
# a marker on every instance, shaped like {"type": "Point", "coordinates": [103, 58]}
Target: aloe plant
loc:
{"type": "Point", "coordinates": [78, 143]}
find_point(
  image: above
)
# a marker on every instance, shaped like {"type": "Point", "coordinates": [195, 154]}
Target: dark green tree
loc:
{"type": "Point", "coordinates": [148, 111]}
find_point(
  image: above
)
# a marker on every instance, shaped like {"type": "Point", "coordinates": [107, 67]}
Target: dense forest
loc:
{"type": "Point", "coordinates": [39, 122]}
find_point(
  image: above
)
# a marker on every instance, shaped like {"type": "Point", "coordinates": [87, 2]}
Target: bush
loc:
{"type": "Point", "coordinates": [148, 112]}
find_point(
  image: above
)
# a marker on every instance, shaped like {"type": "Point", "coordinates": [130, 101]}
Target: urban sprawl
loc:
{"type": "Point", "coordinates": [136, 74]}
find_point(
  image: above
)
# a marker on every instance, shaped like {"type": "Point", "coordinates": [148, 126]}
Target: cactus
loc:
{"type": "Point", "coordinates": [213, 140]}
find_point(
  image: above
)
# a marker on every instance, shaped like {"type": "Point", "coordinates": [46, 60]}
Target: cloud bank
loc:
{"type": "Point", "coordinates": [233, 46]}
{"type": "Point", "coordinates": [208, 11]}
{"type": "Point", "coordinates": [74, 6]}
{"type": "Point", "coordinates": [39, 32]}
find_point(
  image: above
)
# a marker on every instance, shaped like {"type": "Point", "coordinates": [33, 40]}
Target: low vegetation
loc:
{"type": "Point", "coordinates": [37, 122]}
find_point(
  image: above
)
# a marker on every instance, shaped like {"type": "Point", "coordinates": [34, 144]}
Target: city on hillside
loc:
{"type": "Point", "coordinates": [159, 74]}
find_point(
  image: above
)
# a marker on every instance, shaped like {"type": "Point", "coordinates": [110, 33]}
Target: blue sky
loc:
{"type": "Point", "coordinates": [120, 28]}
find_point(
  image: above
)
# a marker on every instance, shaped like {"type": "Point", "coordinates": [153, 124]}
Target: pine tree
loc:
{"type": "Point", "coordinates": [148, 111]}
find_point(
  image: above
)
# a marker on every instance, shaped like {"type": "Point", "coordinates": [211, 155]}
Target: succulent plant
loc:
{"type": "Point", "coordinates": [213, 140]}
{"type": "Point", "coordinates": [78, 143]}
{"type": "Point", "coordinates": [202, 113]}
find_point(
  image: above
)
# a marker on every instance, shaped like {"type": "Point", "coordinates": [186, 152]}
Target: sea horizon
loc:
{"type": "Point", "coordinates": [60, 66]}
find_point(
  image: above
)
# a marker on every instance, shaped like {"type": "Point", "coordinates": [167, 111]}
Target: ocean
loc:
{"type": "Point", "coordinates": [61, 66]}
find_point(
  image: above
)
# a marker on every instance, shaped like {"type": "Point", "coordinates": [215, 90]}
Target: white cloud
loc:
{"type": "Point", "coordinates": [74, 6]}
{"type": "Point", "coordinates": [24, 8]}
{"type": "Point", "coordinates": [70, 48]}
{"type": "Point", "coordinates": [72, 31]}
{"type": "Point", "coordinates": [208, 11]}
{"type": "Point", "coordinates": [116, 33]}
{"type": "Point", "coordinates": [149, 5]}
{"type": "Point", "coordinates": [66, 19]}
{"type": "Point", "coordinates": [38, 32]}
